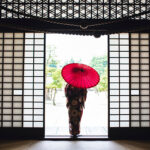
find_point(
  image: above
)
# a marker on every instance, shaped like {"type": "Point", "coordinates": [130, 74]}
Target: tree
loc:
{"type": "Point", "coordinates": [72, 60]}
{"type": "Point", "coordinates": [103, 84]}
{"type": "Point", "coordinates": [51, 74]}
{"type": "Point", "coordinates": [51, 56]}
{"type": "Point", "coordinates": [57, 83]}
{"type": "Point", "coordinates": [99, 63]}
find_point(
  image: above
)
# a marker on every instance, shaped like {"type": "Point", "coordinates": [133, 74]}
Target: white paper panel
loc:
{"type": "Point", "coordinates": [134, 42]}
{"type": "Point", "coordinates": [135, 117]}
{"type": "Point", "coordinates": [145, 124]}
{"type": "Point", "coordinates": [134, 111]}
{"type": "Point", "coordinates": [144, 35]}
{"type": "Point", "coordinates": [18, 48]}
{"type": "Point", "coordinates": [134, 48]}
{"type": "Point", "coordinates": [114, 124]}
{"type": "Point", "coordinates": [38, 118]}
{"type": "Point", "coordinates": [17, 117]}
{"type": "Point", "coordinates": [7, 124]}
{"type": "Point", "coordinates": [134, 86]}
{"type": "Point", "coordinates": [124, 124]}
{"type": "Point", "coordinates": [8, 48]}
{"type": "Point", "coordinates": [144, 48]}
{"type": "Point", "coordinates": [135, 124]}
{"type": "Point", "coordinates": [17, 98]}
{"type": "Point", "coordinates": [18, 41]}
{"type": "Point", "coordinates": [135, 35]}
{"type": "Point", "coordinates": [18, 35]}
{"type": "Point", "coordinates": [17, 124]}
{"type": "Point", "coordinates": [134, 54]}
{"type": "Point", "coordinates": [38, 124]}
{"type": "Point", "coordinates": [144, 42]}
{"type": "Point", "coordinates": [8, 35]}
{"type": "Point", "coordinates": [27, 124]}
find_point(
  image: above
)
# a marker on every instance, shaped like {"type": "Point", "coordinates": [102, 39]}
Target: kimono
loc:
{"type": "Point", "coordinates": [76, 98]}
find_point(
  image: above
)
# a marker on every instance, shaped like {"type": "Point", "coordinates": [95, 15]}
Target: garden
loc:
{"type": "Point", "coordinates": [54, 80]}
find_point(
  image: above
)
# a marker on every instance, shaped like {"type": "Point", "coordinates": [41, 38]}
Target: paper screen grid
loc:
{"type": "Point", "coordinates": [22, 79]}
{"type": "Point", "coordinates": [129, 74]}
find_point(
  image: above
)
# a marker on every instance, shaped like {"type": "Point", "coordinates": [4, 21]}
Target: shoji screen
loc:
{"type": "Point", "coordinates": [129, 94]}
{"type": "Point", "coordinates": [140, 84]}
{"type": "Point", "coordinates": [33, 80]}
{"type": "Point", "coordinates": [21, 84]}
{"type": "Point", "coordinates": [119, 80]}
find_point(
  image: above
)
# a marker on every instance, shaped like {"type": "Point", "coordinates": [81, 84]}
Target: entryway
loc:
{"type": "Point", "coordinates": [64, 49]}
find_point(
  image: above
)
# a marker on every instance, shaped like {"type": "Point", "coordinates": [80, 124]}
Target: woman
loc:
{"type": "Point", "coordinates": [81, 77]}
{"type": "Point", "coordinates": [76, 98]}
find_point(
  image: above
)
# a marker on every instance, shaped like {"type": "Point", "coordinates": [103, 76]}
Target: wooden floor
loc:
{"type": "Point", "coordinates": [74, 145]}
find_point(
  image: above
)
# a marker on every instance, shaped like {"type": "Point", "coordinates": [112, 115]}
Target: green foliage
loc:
{"type": "Point", "coordinates": [103, 84]}
{"type": "Point", "coordinates": [99, 63]}
{"type": "Point", "coordinates": [50, 86]}
{"type": "Point", "coordinates": [72, 61]}
{"type": "Point", "coordinates": [57, 80]}
{"type": "Point", "coordinates": [49, 71]}
{"type": "Point", "coordinates": [51, 57]}
{"type": "Point", "coordinates": [53, 74]}
{"type": "Point", "coordinates": [56, 83]}
{"type": "Point", "coordinates": [51, 68]}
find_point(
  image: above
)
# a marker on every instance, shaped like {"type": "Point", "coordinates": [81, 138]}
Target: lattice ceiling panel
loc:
{"type": "Point", "coordinates": [75, 9]}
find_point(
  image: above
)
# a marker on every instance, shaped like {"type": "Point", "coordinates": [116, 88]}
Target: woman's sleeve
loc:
{"type": "Point", "coordinates": [67, 102]}
{"type": "Point", "coordinates": [66, 90]}
{"type": "Point", "coordinates": [85, 94]}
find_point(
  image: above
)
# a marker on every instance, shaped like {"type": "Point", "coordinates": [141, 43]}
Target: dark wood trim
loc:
{"type": "Point", "coordinates": [129, 133]}
{"type": "Point", "coordinates": [21, 133]}
{"type": "Point", "coordinates": [31, 25]}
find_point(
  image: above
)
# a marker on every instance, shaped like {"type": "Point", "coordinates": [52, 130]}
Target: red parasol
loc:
{"type": "Point", "coordinates": [80, 75]}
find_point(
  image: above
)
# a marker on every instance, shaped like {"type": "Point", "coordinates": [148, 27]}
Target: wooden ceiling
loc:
{"type": "Point", "coordinates": [86, 17]}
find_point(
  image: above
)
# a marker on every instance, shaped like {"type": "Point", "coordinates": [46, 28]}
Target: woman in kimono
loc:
{"type": "Point", "coordinates": [76, 98]}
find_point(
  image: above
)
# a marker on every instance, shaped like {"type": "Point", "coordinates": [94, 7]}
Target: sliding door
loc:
{"type": "Point", "coordinates": [129, 85]}
{"type": "Point", "coordinates": [22, 85]}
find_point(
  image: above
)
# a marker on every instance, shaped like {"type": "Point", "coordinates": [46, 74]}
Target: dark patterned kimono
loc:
{"type": "Point", "coordinates": [76, 98]}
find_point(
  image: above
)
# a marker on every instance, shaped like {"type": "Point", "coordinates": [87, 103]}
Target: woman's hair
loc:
{"type": "Point", "coordinates": [75, 93]}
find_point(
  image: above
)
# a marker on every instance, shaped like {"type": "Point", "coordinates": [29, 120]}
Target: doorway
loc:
{"type": "Point", "coordinates": [64, 49]}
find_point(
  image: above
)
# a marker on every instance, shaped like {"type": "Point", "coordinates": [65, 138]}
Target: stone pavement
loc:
{"type": "Point", "coordinates": [94, 120]}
